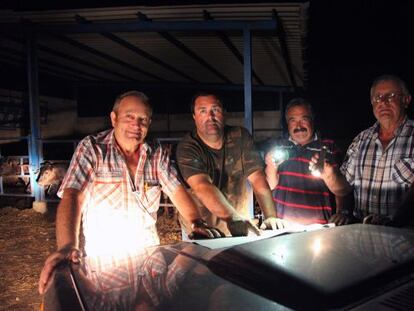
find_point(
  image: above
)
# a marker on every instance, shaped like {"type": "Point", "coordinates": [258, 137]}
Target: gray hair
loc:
{"type": "Point", "coordinates": [393, 78]}
{"type": "Point", "coordinates": [299, 101]}
{"type": "Point", "coordinates": [140, 95]}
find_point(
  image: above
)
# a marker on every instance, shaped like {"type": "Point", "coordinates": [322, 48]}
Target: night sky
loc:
{"type": "Point", "coordinates": [351, 43]}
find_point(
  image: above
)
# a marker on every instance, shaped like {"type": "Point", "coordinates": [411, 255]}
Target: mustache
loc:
{"type": "Point", "coordinates": [300, 129]}
{"type": "Point", "coordinates": [215, 122]}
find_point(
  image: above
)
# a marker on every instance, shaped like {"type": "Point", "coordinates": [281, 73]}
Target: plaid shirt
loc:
{"type": "Point", "coordinates": [118, 213]}
{"type": "Point", "coordinates": [381, 177]}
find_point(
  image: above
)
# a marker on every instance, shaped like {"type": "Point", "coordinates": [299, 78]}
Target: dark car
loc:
{"type": "Point", "coordinates": [358, 267]}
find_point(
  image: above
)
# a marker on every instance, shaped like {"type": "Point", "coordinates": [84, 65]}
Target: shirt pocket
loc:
{"type": "Point", "coordinates": [108, 192]}
{"type": "Point", "coordinates": [152, 195]}
{"type": "Point", "coordinates": [403, 171]}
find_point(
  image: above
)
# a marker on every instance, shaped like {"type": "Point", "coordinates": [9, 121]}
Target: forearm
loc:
{"type": "Point", "coordinates": [337, 184]}
{"type": "Point", "coordinates": [263, 194]}
{"type": "Point", "coordinates": [265, 200]}
{"type": "Point", "coordinates": [185, 204]}
{"type": "Point", "coordinates": [214, 200]}
{"type": "Point", "coordinates": [271, 176]}
{"type": "Point", "coordinates": [68, 219]}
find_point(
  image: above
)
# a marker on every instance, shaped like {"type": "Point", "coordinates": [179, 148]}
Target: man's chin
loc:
{"type": "Point", "coordinates": [136, 138]}
{"type": "Point", "coordinates": [301, 139]}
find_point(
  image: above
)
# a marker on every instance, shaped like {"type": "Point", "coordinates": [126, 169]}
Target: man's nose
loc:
{"type": "Point", "coordinates": [211, 114]}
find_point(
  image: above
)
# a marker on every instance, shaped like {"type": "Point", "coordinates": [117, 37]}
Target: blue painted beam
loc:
{"type": "Point", "coordinates": [282, 113]}
{"type": "Point", "coordinates": [247, 51]}
{"type": "Point", "coordinates": [248, 110]}
{"type": "Point", "coordinates": [56, 65]}
{"type": "Point", "coordinates": [104, 55]}
{"type": "Point", "coordinates": [19, 63]}
{"type": "Point", "coordinates": [196, 86]}
{"type": "Point", "coordinates": [76, 59]}
{"type": "Point", "coordinates": [35, 152]}
{"type": "Point", "coordinates": [126, 26]}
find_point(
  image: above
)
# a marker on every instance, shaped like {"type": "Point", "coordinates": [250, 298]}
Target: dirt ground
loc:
{"type": "Point", "coordinates": [26, 238]}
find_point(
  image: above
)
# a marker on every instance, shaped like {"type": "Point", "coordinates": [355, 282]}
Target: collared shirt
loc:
{"type": "Point", "coordinates": [381, 177]}
{"type": "Point", "coordinates": [119, 211]}
{"type": "Point", "coordinates": [299, 196]}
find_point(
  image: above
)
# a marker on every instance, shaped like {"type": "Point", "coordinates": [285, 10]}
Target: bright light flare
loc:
{"type": "Point", "coordinates": [316, 246]}
{"type": "Point", "coordinates": [113, 234]}
{"type": "Point", "coordinates": [316, 173]}
{"type": "Point", "coordinates": [280, 155]}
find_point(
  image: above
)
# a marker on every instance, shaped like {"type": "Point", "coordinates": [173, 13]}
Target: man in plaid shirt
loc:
{"type": "Point", "coordinates": [379, 163]}
{"type": "Point", "coordinates": [113, 187]}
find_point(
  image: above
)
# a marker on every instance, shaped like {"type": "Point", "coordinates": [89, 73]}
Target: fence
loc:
{"type": "Point", "coordinates": [53, 155]}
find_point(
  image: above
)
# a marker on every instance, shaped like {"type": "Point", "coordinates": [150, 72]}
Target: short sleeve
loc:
{"type": "Point", "coordinates": [166, 171]}
{"type": "Point", "coordinates": [403, 171]}
{"type": "Point", "coordinates": [349, 165]}
{"type": "Point", "coordinates": [81, 168]}
{"type": "Point", "coordinates": [251, 157]}
{"type": "Point", "coordinates": [190, 158]}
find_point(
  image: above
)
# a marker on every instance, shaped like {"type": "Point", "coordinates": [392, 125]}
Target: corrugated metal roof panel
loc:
{"type": "Point", "coordinates": [267, 59]}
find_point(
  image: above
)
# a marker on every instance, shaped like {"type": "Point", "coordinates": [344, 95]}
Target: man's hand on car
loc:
{"type": "Point", "coordinates": [65, 254]}
{"type": "Point", "coordinates": [375, 219]}
{"type": "Point", "coordinates": [273, 223]}
{"type": "Point", "coordinates": [240, 226]}
{"type": "Point", "coordinates": [200, 230]}
{"type": "Point", "coordinates": [340, 219]}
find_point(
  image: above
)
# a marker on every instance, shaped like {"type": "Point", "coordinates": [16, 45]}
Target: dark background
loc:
{"type": "Point", "coordinates": [351, 43]}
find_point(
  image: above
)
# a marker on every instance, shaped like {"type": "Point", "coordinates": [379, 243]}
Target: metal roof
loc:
{"type": "Point", "coordinates": [180, 44]}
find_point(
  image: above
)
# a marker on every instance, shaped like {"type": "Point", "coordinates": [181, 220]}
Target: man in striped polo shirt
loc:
{"type": "Point", "coordinates": [299, 195]}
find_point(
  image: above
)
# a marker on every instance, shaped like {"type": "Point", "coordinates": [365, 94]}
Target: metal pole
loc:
{"type": "Point", "coordinates": [281, 116]}
{"type": "Point", "coordinates": [34, 138]}
{"type": "Point", "coordinates": [247, 49]}
{"type": "Point", "coordinates": [248, 115]}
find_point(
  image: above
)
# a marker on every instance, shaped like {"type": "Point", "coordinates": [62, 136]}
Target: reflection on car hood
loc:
{"type": "Point", "coordinates": [325, 269]}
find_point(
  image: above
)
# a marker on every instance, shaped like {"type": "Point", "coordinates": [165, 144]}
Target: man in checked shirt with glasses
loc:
{"type": "Point", "coordinates": [113, 186]}
{"type": "Point", "coordinates": [379, 164]}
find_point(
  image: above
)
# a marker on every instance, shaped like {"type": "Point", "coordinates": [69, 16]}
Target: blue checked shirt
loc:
{"type": "Point", "coordinates": [381, 177]}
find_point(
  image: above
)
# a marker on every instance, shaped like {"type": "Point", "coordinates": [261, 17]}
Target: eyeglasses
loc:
{"type": "Point", "coordinates": [389, 98]}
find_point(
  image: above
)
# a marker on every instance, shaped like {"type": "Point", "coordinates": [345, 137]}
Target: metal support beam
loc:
{"type": "Point", "coordinates": [147, 26]}
{"type": "Point", "coordinates": [227, 42]}
{"type": "Point", "coordinates": [79, 60]}
{"type": "Point", "coordinates": [138, 51]}
{"type": "Point", "coordinates": [104, 55]}
{"type": "Point", "coordinates": [282, 115]}
{"type": "Point", "coordinates": [19, 63]}
{"type": "Point", "coordinates": [248, 111]}
{"type": "Point", "coordinates": [192, 86]}
{"type": "Point", "coordinates": [177, 43]}
{"type": "Point", "coordinates": [57, 65]}
{"type": "Point", "coordinates": [35, 152]}
{"type": "Point", "coordinates": [247, 50]}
